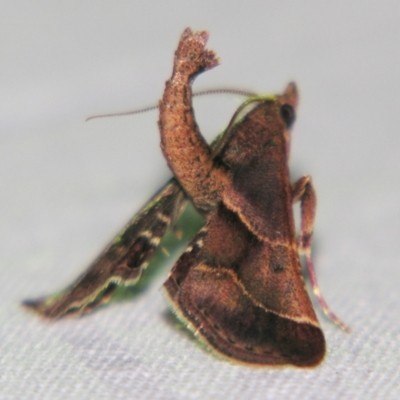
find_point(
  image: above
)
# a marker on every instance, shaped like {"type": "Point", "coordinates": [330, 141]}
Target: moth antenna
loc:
{"type": "Point", "coordinates": [238, 92]}
{"type": "Point", "coordinates": [121, 114]}
{"type": "Point", "coordinates": [226, 137]}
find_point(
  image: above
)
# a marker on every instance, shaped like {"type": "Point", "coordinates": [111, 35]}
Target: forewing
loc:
{"type": "Point", "coordinates": [245, 297]}
{"type": "Point", "coordinates": [122, 262]}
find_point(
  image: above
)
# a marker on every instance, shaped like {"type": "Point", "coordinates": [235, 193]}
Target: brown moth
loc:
{"type": "Point", "coordinates": [238, 285]}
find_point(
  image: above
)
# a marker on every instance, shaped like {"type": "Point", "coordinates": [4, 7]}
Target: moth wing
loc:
{"type": "Point", "coordinates": [227, 288]}
{"type": "Point", "coordinates": [122, 262]}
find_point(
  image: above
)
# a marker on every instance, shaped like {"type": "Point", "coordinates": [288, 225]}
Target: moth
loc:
{"type": "Point", "coordinates": [238, 285]}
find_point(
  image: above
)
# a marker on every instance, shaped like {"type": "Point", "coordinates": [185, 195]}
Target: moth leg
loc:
{"type": "Point", "coordinates": [121, 263]}
{"type": "Point", "coordinates": [187, 153]}
{"type": "Point", "coordinates": [303, 191]}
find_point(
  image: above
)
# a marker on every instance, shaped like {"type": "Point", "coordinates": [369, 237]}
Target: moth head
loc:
{"type": "Point", "coordinates": [288, 102]}
{"type": "Point", "coordinates": [276, 112]}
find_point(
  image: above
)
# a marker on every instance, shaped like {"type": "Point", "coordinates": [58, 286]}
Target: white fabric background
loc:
{"type": "Point", "coordinates": [67, 186]}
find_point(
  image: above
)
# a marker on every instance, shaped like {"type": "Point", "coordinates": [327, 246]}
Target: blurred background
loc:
{"type": "Point", "coordinates": [67, 186]}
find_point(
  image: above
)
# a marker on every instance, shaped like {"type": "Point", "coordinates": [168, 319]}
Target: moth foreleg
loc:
{"type": "Point", "coordinates": [303, 191]}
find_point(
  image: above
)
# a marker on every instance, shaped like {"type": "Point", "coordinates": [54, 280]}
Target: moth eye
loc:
{"type": "Point", "coordinates": [288, 115]}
